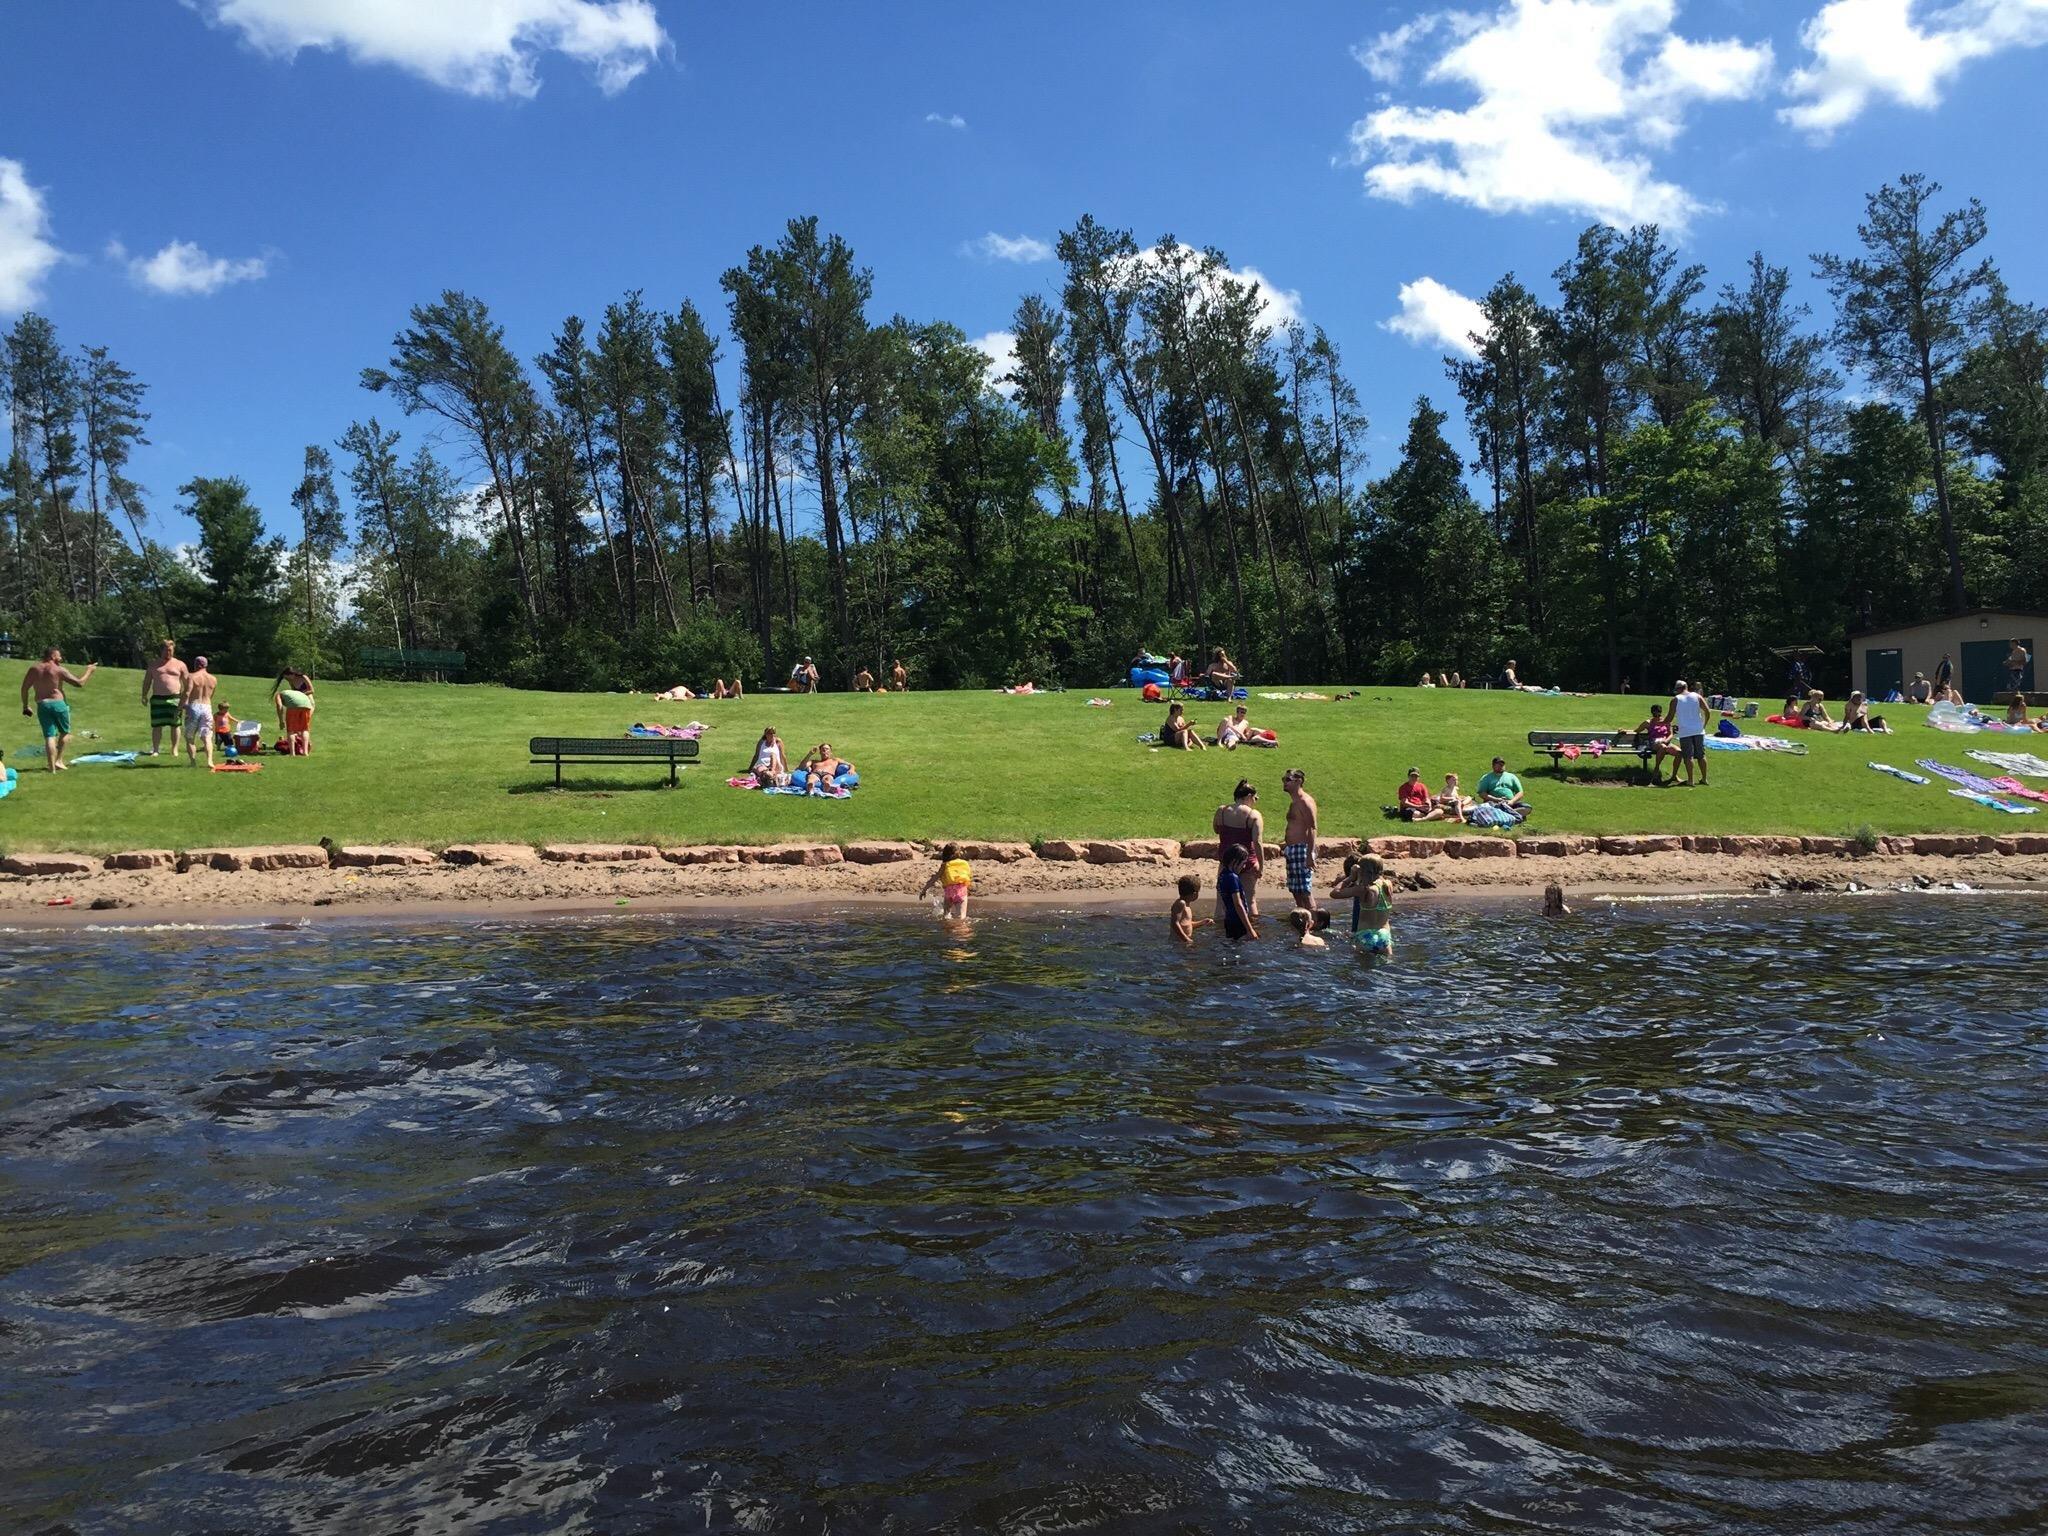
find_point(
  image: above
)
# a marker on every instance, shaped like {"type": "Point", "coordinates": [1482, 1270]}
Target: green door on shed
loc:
{"type": "Point", "coordinates": [1984, 668]}
{"type": "Point", "coordinates": [1882, 672]}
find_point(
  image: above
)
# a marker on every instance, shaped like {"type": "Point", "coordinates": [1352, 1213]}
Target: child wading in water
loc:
{"type": "Point", "coordinates": [954, 877]}
{"type": "Point", "coordinates": [1372, 905]}
{"type": "Point", "coordinates": [1183, 914]}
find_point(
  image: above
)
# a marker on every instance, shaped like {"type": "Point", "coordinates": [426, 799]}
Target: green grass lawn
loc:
{"type": "Point", "coordinates": [432, 765]}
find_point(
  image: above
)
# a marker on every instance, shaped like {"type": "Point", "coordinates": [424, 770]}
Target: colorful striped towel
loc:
{"type": "Point", "coordinates": [1992, 802]}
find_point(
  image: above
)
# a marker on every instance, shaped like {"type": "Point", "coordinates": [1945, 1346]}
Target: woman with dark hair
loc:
{"type": "Point", "coordinates": [1239, 825]}
{"type": "Point", "coordinates": [770, 766]}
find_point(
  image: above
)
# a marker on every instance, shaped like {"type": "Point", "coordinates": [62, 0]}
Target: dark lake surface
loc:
{"type": "Point", "coordinates": [1726, 1217]}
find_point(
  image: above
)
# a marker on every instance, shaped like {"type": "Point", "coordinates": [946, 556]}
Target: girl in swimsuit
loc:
{"type": "Point", "coordinates": [1372, 906]}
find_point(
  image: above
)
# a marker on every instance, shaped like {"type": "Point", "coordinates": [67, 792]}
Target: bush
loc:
{"type": "Point", "coordinates": [704, 648]}
{"type": "Point", "coordinates": [1865, 838]}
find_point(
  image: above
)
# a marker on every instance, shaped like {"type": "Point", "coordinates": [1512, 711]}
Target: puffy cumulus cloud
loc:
{"type": "Point", "coordinates": [1278, 307]}
{"type": "Point", "coordinates": [183, 269]}
{"type": "Point", "coordinates": [1860, 51]}
{"type": "Point", "coordinates": [946, 119]}
{"type": "Point", "coordinates": [1000, 348]}
{"type": "Point", "coordinates": [26, 250]}
{"type": "Point", "coordinates": [1570, 99]}
{"type": "Point", "coordinates": [1434, 315]}
{"type": "Point", "coordinates": [1019, 248]}
{"type": "Point", "coordinates": [481, 47]}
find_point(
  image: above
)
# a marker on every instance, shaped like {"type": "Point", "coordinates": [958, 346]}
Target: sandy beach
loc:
{"type": "Point", "coordinates": [199, 894]}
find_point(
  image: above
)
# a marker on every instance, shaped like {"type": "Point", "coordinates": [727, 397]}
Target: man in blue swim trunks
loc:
{"type": "Point", "coordinates": [46, 680]}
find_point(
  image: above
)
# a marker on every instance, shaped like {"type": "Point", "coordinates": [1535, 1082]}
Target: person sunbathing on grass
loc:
{"type": "Point", "coordinates": [770, 765]}
{"type": "Point", "coordinates": [824, 766]}
{"type": "Point", "coordinates": [675, 695]}
{"type": "Point", "coordinates": [1237, 731]}
{"type": "Point", "coordinates": [1857, 717]}
{"type": "Point", "coordinates": [1814, 713]}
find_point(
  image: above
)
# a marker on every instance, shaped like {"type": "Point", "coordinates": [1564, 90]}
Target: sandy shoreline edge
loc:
{"type": "Point", "coordinates": [200, 886]}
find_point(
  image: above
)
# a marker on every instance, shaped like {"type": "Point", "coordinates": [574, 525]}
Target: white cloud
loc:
{"type": "Point", "coordinates": [1434, 315]}
{"type": "Point", "coordinates": [1000, 348]}
{"type": "Point", "coordinates": [1866, 50]}
{"type": "Point", "coordinates": [1570, 97]}
{"type": "Point", "coordinates": [946, 119]}
{"type": "Point", "coordinates": [481, 47]}
{"type": "Point", "coordinates": [182, 268]}
{"type": "Point", "coordinates": [1020, 248]}
{"type": "Point", "coordinates": [26, 250]}
{"type": "Point", "coordinates": [1278, 307]}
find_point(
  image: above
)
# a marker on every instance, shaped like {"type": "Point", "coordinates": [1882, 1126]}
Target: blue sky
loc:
{"type": "Point", "coordinates": [242, 198]}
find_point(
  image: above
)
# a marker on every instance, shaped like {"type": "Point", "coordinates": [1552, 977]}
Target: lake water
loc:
{"type": "Point", "coordinates": [1725, 1217]}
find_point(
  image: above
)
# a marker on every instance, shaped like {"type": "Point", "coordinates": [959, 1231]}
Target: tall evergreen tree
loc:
{"type": "Point", "coordinates": [1908, 311]}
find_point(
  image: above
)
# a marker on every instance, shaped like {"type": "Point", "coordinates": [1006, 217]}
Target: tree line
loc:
{"type": "Point", "coordinates": [1663, 479]}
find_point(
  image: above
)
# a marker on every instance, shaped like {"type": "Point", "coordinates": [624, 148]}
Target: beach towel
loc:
{"type": "Point", "coordinates": [1900, 773]}
{"type": "Point", "coordinates": [1756, 744]}
{"type": "Point", "coordinates": [1148, 736]}
{"type": "Point", "coordinates": [1974, 783]}
{"type": "Point", "coordinates": [835, 792]}
{"type": "Point", "coordinates": [104, 757]}
{"type": "Point", "coordinates": [8, 779]}
{"type": "Point", "coordinates": [2015, 762]}
{"type": "Point", "coordinates": [2012, 786]}
{"type": "Point", "coordinates": [1993, 803]}
{"type": "Point", "coordinates": [1102, 703]}
{"type": "Point", "coordinates": [690, 732]}
{"type": "Point", "coordinates": [743, 781]}
{"type": "Point", "coordinates": [1497, 815]}
{"type": "Point", "coordinates": [237, 767]}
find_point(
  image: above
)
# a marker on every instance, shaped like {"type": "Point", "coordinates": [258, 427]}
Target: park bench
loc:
{"type": "Point", "coordinates": [1555, 743]}
{"type": "Point", "coordinates": [612, 749]}
{"type": "Point", "coordinates": [391, 660]}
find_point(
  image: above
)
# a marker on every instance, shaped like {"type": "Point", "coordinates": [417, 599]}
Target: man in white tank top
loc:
{"type": "Point", "coordinates": [1688, 717]}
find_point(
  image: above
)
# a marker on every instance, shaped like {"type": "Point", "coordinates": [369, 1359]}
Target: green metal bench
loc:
{"type": "Point", "coordinates": [611, 749]}
{"type": "Point", "coordinates": [1612, 742]}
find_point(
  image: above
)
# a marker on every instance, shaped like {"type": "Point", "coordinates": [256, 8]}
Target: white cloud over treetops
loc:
{"type": "Point", "coordinates": [480, 47]}
{"type": "Point", "coordinates": [183, 269]}
{"type": "Point", "coordinates": [1434, 315]}
{"type": "Point", "coordinates": [1000, 348]}
{"type": "Point", "coordinates": [1571, 98]}
{"type": "Point", "coordinates": [26, 250]}
{"type": "Point", "coordinates": [1019, 248]}
{"type": "Point", "coordinates": [1860, 51]}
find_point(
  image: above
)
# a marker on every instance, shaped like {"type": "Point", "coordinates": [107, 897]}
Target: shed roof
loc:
{"type": "Point", "coordinates": [2032, 616]}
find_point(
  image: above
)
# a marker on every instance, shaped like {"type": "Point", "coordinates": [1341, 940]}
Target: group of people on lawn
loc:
{"type": "Point", "coordinates": [770, 764]}
{"type": "Point", "coordinates": [182, 699]}
{"type": "Point", "coordinates": [1234, 730]}
{"type": "Point", "coordinates": [1221, 673]}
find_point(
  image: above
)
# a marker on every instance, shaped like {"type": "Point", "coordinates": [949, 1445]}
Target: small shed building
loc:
{"type": "Point", "coordinates": [1976, 642]}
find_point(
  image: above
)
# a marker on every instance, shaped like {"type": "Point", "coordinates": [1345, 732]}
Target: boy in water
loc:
{"type": "Point", "coordinates": [954, 877]}
{"type": "Point", "coordinates": [1372, 905]}
{"type": "Point", "coordinates": [1182, 916]}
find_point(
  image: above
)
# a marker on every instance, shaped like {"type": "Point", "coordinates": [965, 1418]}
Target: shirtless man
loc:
{"type": "Point", "coordinates": [1298, 843]}
{"type": "Point", "coordinates": [163, 683]}
{"type": "Point", "coordinates": [899, 677]}
{"type": "Point", "coordinates": [47, 680]}
{"type": "Point", "coordinates": [824, 765]}
{"type": "Point", "coordinates": [198, 706]}
{"type": "Point", "coordinates": [863, 681]}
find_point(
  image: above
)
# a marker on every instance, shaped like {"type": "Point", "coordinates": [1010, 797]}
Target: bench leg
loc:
{"type": "Point", "coordinates": [558, 773]}
{"type": "Point", "coordinates": [671, 772]}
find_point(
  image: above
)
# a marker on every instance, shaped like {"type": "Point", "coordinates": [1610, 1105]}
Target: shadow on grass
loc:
{"type": "Point", "coordinates": [1620, 776]}
{"type": "Point", "coordinates": [598, 788]}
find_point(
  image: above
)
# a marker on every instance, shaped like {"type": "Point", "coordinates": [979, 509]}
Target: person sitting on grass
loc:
{"type": "Point", "coordinates": [1922, 691]}
{"type": "Point", "coordinates": [1238, 922]}
{"type": "Point", "coordinates": [1415, 801]}
{"type": "Point", "coordinates": [803, 677]}
{"type": "Point", "coordinates": [1181, 917]}
{"type": "Point", "coordinates": [824, 766]}
{"type": "Point", "coordinates": [770, 766]}
{"type": "Point", "coordinates": [1177, 734]}
{"type": "Point", "coordinates": [2016, 715]}
{"type": "Point", "coordinates": [1452, 799]}
{"type": "Point", "coordinates": [1457, 680]}
{"type": "Point", "coordinates": [1237, 731]}
{"type": "Point", "coordinates": [1222, 673]}
{"type": "Point", "coordinates": [1857, 716]}
{"type": "Point", "coordinates": [1500, 787]}
{"type": "Point", "coordinates": [1657, 732]}
{"type": "Point", "coordinates": [1814, 712]}
{"type": "Point", "coordinates": [863, 681]}
{"type": "Point", "coordinates": [955, 878]}
{"type": "Point", "coordinates": [1427, 681]}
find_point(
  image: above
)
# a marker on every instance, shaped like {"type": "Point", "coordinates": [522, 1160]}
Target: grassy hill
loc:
{"type": "Point", "coordinates": [431, 764]}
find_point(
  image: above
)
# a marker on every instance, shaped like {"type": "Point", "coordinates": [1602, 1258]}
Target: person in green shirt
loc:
{"type": "Point", "coordinates": [1500, 787]}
